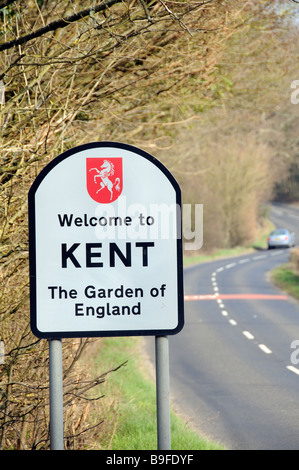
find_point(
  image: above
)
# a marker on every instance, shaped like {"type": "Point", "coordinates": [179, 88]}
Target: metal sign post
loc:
{"type": "Point", "coordinates": [56, 394]}
{"type": "Point", "coordinates": [162, 392]}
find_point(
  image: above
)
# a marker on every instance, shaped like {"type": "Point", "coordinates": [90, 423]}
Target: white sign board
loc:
{"type": "Point", "coordinates": [105, 245]}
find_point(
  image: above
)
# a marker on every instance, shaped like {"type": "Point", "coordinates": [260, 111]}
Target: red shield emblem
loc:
{"type": "Point", "coordinates": [104, 179]}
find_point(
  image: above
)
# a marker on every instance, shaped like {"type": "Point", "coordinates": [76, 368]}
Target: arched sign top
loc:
{"type": "Point", "coordinates": [105, 245]}
{"type": "Point", "coordinates": [105, 145]}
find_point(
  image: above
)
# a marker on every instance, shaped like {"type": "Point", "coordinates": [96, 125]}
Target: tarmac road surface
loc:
{"type": "Point", "coordinates": [233, 367]}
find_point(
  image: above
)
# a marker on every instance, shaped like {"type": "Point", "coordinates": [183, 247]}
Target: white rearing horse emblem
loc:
{"type": "Point", "coordinates": [107, 169]}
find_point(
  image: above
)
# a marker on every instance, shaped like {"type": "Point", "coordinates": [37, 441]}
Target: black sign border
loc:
{"type": "Point", "coordinates": [32, 248]}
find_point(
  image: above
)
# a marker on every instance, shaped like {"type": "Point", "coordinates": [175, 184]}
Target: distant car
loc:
{"type": "Point", "coordinates": [281, 238]}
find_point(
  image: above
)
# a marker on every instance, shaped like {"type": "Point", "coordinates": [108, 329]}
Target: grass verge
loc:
{"type": "Point", "coordinates": [224, 253]}
{"type": "Point", "coordinates": [284, 278]}
{"type": "Point", "coordinates": [136, 423]}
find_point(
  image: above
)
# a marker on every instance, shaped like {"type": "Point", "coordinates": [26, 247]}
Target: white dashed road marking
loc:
{"type": "Point", "coordinates": [265, 349]}
{"type": "Point", "coordinates": [293, 369]}
{"type": "Point", "coordinates": [225, 313]}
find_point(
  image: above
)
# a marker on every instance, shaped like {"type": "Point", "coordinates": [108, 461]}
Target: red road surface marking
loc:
{"type": "Point", "coordinates": [236, 296]}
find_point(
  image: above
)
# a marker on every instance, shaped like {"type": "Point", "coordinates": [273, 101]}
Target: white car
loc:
{"type": "Point", "coordinates": [281, 238]}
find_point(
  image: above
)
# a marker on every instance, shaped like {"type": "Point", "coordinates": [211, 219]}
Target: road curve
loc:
{"type": "Point", "coordinates": [231, 367]}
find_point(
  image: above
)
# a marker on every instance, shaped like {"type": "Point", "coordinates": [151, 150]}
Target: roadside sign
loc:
{"type": "Point", "coordinates": [105, 245]}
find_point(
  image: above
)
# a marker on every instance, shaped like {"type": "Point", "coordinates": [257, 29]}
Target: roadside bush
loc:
{"type": "Point", "coordinates": [231, 175]}
{"type": "Point", "coordinates": [295, 260]}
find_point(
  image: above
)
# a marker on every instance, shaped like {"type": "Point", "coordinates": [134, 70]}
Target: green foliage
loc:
{"type": "Point", "coordinates": [286, 279]}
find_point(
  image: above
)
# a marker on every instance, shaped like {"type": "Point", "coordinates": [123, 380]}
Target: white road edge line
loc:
{"type": "Point", "coordinates": [232, 322]}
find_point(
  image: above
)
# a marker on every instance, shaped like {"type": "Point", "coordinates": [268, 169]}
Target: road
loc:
{"type": "Point", "coordinates": [230, 367]}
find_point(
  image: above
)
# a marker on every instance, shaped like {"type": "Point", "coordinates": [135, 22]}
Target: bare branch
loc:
{"type": "Point", "coordinates": [62, 23]}
{"type": "Point", "coordinates": [145, 10]}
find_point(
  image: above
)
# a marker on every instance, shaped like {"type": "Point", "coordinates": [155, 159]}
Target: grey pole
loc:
{"type": "Point", "coordinates": [162, 392]}
{"type": "Point", "coordinates": [56, 394]}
